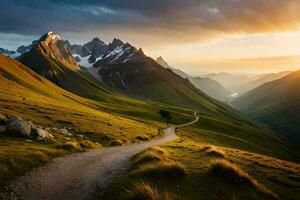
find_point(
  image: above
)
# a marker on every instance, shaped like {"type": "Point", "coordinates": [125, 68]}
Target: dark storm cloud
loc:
{"type": "Point", "coordinates": [191, 19]}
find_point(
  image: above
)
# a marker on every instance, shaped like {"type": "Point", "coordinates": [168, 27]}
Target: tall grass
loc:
{"type": "Point", "coordinates": [214, 152]}
{"type": "Point", "coordinates": [235, 175]}
{"type": "Point", "coordinates": [150, 155]}
{"type": "Point", "coordinates": [162, 169]}
{"type": "Point", "coordinates": [156, 163]}
{"type": "Point", "coordinates": [145, 191]}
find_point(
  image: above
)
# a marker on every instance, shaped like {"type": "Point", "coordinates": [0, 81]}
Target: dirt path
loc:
{"type": "Point", "coordinates": [81, 176]}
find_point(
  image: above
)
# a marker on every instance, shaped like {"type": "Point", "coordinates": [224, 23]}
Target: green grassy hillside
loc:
{"type": "Point", "coordinates": [275, 103]}
{"type": "Point", "coordinates": [121, 120]}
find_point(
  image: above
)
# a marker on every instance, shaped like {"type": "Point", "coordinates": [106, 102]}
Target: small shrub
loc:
{"type": "Point", "coordinates": [144, 191]}
{"type": "Point", "coordinates": [162, 169]}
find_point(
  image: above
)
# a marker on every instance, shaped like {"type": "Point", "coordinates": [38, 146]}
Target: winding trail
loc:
{"type": "Point", "coordinates": [81, 176]}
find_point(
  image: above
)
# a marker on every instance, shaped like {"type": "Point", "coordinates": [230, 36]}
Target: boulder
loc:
{"type": "Point", "coordinates": [18, 127]}
{"type": "Point", "coordinates": [33, 126]}
{"type": "Point", "coordinates": [43, 134]}
{"type": "Point", "coordinates": [3, 119]}
{"type": "Point", "coordinates": [65, 132]}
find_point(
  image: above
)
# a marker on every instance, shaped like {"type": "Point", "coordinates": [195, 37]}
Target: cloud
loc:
{"type": "Point", "coordinates": [163, 20]}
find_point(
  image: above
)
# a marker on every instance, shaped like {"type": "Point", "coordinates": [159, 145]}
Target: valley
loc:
{"type": "Point", "coordinates": [105, 134]}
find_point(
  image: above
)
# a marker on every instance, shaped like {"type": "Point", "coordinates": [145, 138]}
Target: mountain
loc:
{"type": "Point", "coordinates": [232, 81]}
{"type": "Point", "coordinates": [256, 83]}
{"type": "Point", "coordinates": [129, 71]}
{"type": "Point", "coordinates": [8, 53]}
{"type": "Point", "coordinates": [23, 49]}
{"type": "Point", "coordinates": [77, 49]}
{"type": "Point", "coordinates": [276, 103]}
{"type": "Point", "coordinates": [87, 54]}
{"type": "Point", "coordinates": [209, 86]}
{"type": "Point", "coordinates": [163, 63]}
{"type": "Point", "coordinates": [51, 58]}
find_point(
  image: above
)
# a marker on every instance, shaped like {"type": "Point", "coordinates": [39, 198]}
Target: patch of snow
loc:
{"type": "Point", "coordinates": [54, 36]}
{"type": "Point", "coordinates": [114, 52]}
{"type": "Point", "coordinates": [84, 61]}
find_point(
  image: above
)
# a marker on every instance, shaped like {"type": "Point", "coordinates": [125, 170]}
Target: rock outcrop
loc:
{"type": "Point", "coordinates": [15, 126]}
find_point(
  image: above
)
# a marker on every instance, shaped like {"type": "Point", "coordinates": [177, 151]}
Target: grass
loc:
{"type": "Point", "coordinates": [155, 163]}
{"type": "Point", "coordinates": [231, 172]}
{"type": "Point", "coordinates": [150, 155]}
{"type": "Point", "coordinates": [149, 169]}
{"type": "Point", "coordinates": [214, 151]}
{"type": "Point", "coordinates": [206, 177]}
{"type": "Point", "coordinates": [166, 169]}
{"type": "Point", "coordinates": [234, 174]}
{"type": "Point", "coordinates": [145, 191]}
{"type": "Point", "coordinates": [18, 155]}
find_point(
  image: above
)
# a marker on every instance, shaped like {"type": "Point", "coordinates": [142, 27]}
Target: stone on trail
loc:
{"type": "Point", "coordinates": [18, 127]}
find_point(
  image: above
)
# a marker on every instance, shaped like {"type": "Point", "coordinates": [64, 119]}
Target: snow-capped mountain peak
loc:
{"type": "Point", "coordinates": [54, 36]}
{"type": "Point", "coordinates": [50, 37]}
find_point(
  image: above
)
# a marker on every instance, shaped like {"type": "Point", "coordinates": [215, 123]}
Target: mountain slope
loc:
{"type": "Point", "coordinates": [256, 83]}
{"type": "Point", "coordinates": [209, 86]}
{"type": "Point", "coordinates": [275, 103]}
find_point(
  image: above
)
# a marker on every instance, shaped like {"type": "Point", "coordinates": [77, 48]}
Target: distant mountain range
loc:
{"type": "Point", "coordinates": [8, 53]}
{"type": "Point", "coordinates": [240, 84]}
{"type": "Point", "coordinates": [117, 67]}
{"type": "Point", "coordinates": [232, 81]}
{"type": "Point", "coordinates": [209, 86]}
{"type": "Point", "coordinates": [256, 83]}
{"type": "Point", "coordinates": [276, 103]}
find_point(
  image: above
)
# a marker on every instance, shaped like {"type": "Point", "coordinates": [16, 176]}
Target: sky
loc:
{"type": "Point", "coordinates": [197, 36]}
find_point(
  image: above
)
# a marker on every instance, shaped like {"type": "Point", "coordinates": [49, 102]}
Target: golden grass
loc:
{"type": "Point", "coordinates": [235, 175]}
{"type": "Point", "coordinates": [163, 169]}
{"type": "Point", "coordinates": [149, 155]}
{"type": "Point", "coordinates": [89, 145]}
{"type": "Point", "coordinates": [18, 156]}
{"type": "Point", "coordinates": [145, 191]}
{"type": "Point", "coordinates": [69, 146]}
{"type": "Point", "coordinates": [214, 152]}
{"type": "Point", "coordinates": [156, 163]}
